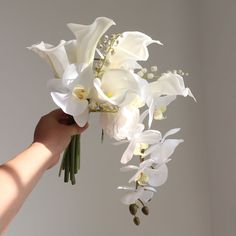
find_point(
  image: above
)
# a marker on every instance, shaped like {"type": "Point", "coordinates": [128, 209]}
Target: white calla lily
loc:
{"type": "Point", "coordinates": [131, 47]}
{"type": "Point", "coordinates": [117, 86]}
{"type": "Point", "coordinates": [55, 56]}
{"type": "Point", "coordinates": [88, 36]}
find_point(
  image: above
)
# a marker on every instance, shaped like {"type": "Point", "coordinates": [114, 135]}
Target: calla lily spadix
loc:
{"type": "Point", "coordinates": [100, 73]}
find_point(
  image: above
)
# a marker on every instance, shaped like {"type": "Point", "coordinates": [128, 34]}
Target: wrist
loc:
{"type": "Point", "coordinates": [44, 153]}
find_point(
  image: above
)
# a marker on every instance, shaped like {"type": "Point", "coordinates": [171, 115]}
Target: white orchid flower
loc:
{"type": "Point", "coordinates": [87, 37]}
{"type": "Point", "coordinates": [131, 47]}
{"type": "Point", "coordinates": [119, 125]}
{"type": "Point", "coordinates": [163, 92]}
{"type": "Point", "coordinates": [71, 93]}
{"type": "Point", "coordinates": [148, 172]}
{"type": "Point", "coordinates": [144, 194]}
{"type": "Point", "coordinates": [161, 152]}
{"type": "Point", "coordinates": [137, 137]}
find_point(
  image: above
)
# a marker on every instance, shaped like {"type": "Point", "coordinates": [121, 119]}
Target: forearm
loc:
{"type": "Point", "coordinates": [18, 177]}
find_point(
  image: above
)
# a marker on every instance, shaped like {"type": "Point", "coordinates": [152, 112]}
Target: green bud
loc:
{"type": "Point", "coordinates": [136, 220]}
{"type": "Point", "coordinates": [133, 208]}
{"type": "Point", "coordinates": [145, 210]}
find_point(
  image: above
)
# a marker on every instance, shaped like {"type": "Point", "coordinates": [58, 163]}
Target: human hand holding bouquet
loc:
{"type": "Point", "coordinates": [101, 73]}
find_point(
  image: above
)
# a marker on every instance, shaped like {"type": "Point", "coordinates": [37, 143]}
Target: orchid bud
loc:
{"type": "Point", "coordinates": [136, 220]}
{"type": "Point", "coordinates": [133, 208]}
{"type": "Point", "coordinates": [145, 210]}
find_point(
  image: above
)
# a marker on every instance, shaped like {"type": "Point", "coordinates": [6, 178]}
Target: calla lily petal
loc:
{"type": "Point", "coordinates": [88, 36]}
{"type": "Point", "coordinates": [55, 56]}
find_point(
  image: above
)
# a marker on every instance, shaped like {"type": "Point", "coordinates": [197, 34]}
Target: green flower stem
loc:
{"type": "Point", "coordinates": [67, 165]}
{"type": "Point", "coordinates": [62, 166]}
{"type": "Point", "coordinates": [72, 159]}
{"type": "Point", "coordinates": [78, 152]}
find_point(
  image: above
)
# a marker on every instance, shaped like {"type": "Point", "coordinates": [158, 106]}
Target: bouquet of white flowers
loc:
{"type": "Point", "coordinates": [100, 73]}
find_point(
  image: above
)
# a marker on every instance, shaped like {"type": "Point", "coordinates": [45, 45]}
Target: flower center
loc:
{"type": "Point", "coordinates": [80, 93]}
{"type": "Point", "coordinates": [109, 94]}
{"type": "Point", "coordinates": [142, 178]}
{"type": "Point", "coordinates": [140, 148]}
{"type": "Point", "coordinates": [158, 113]}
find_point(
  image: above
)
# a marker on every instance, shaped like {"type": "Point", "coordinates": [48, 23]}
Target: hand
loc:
{"type": "Point", "coordinates": [54, 131]}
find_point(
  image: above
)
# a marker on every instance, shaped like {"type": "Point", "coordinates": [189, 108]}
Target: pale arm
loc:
{"type": "Point", "coordinates": [19, 175]}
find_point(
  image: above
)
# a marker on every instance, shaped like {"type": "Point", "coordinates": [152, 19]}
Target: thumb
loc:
{"type": "Point", "coordinates": [75, 129]}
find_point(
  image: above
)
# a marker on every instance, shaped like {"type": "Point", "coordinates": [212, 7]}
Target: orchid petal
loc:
{"type": "Point", "coordinates": [157, 177]}
{"type": "Point", "coordinates": [128, 168]}
{"type": "Point", "coordinates": [82, 119]}
{"type": "Point", "coordinates": [171, 132]}
{"type": "Point", "coordinates": [165, 150]}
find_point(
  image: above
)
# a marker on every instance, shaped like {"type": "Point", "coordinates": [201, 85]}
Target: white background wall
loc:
{"type": "Point", "coordinates": [199, 196]}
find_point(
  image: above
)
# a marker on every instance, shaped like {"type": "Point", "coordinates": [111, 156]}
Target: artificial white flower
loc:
{"type": "Point", "coordinates": [71, 93]}
{"type": "Point", "coordinates": [139, 136]}
{"type": "Point", "coordinates": [168, 85]}
{"type": "Point", "coordinates": [145, 194]}
{"type": "Point", "coordinates": [131, 47]}
{"type": "Point", "coordinates": [87, 37]}
{"type": "Point", "coordinates": [148, 172]}
{"type": "Point", "coordinates": [120, 125]}
{"type": "Point", "coordinates": [161, 152]}
{"type": "Point", "coordinates": [57, 57]}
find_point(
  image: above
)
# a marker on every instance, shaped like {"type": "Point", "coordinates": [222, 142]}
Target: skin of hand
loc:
{"type": "Point", "coordinates": [19, 175]}
{"type": "Point", "coordinates": [54, 131]}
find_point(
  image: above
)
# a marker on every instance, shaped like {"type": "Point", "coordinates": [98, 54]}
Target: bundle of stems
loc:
{"type": "Point", "coordinates": [71, 160]}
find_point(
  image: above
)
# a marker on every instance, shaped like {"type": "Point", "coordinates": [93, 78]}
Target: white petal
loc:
{"type": "Point", "coordinates": [126, 188]}
{"type": "Point", "coordinates": [128, 154]}
{"type": "Point", "coordinates": [169, 84]}
{"type": "Point", "coordinates": [150, 137]}
{"type": "Point", "coordinates": [57, 85]}
{"type": "Point", "coordinates": [61, 99]}
{"type": "Point", "coordinates": [146, 196]}
{"type": "Point", "coordinates": [171, 132]}
{"type": "Point", "coordinates": [97, 84]}
{"type": "Point", "coordinates": [128, 168]}
{"type": "Point", "coordinates": [82, 119]}
{"type": "Point", "coordinates": [157, 177]}
{"type": "Point", "coordinates": [130, 198]}
{"type": "Point", "coordinates": [88, 36]}
{"type": "Point", "coordinates": [151, 113]}
{"type": "Point", "coordinates": [132, 46]}
{"type": "Point", "coordinates": [165, 150]}
{"type": "Point", "coordinates": [70, 47]}
{"type": "Point", "coordinates": [55, 56]}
